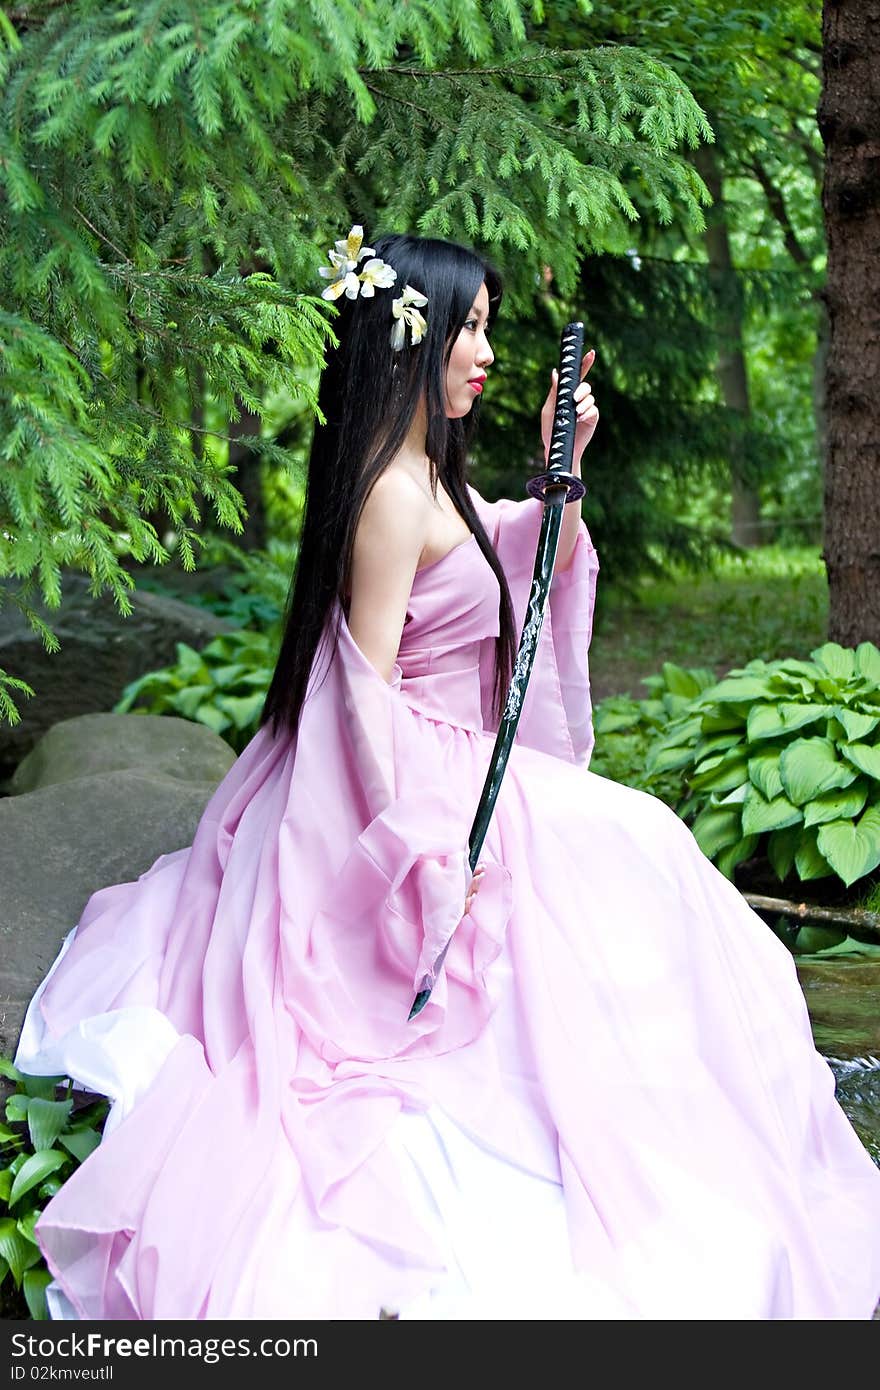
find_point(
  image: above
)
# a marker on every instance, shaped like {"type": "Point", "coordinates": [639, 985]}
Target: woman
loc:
{"type": "Point", "coordinates": [611, 1107]}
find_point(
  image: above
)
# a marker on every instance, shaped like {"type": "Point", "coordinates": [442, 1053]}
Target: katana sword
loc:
{"type": "Point", "coordinates": [554, 487]}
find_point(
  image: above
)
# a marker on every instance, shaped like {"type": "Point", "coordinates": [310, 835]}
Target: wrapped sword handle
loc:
{"type": "Point", "coordinates": [571, 351]}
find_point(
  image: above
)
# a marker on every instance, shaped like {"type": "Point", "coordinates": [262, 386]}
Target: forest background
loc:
{"type": "Point", "coordinates": [696, 181]}
{"type": "Point", "coordinates": [172, 175]}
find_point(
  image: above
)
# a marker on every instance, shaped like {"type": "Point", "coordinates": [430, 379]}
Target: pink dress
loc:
{"type": "Point", "coordinates": [611, 1107]}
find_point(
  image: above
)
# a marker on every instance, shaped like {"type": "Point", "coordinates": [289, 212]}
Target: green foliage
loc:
{"type": "Point", "coordinates": [788, 750]}
{"type": "Point", "coordinates": [666, 437]}
{"type": "Point", "coordinates": [765, 602]}
{"type": "Point", "coordinates": [626, 729]}
{"type": "Point", "coordinates": [223, 686]}
{"type": "Point", "coordinates": [45, 1137]}
{"type": "Point", "coordinates": [171, 178]}
{"type": "Point", "coordinates": [252, 595]}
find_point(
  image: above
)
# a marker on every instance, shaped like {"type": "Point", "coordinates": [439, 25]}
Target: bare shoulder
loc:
{"type": "Point", "coordinates": [395, 518]}
{"type": "Point", "coordinates": [389, 540]}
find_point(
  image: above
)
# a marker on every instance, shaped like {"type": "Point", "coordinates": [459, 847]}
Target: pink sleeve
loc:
{"type": "Point", "coordinates": [388, 867]}
{"type": "Point", "coordinates": [557, 712]}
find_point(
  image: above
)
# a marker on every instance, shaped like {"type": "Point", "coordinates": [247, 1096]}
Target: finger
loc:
{"type": "Point", "coordinates": [587, 361]}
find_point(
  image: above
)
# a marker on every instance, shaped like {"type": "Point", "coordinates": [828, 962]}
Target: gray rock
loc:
{"type": "Point", "coordinates": [98, 743]}
{"type": "Point", "coordinates": [74, 834]}
{"type": "Point", "coordinates": [100, 653]}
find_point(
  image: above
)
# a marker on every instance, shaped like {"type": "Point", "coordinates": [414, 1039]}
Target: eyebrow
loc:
{"type": "Point", "coordinates": [476, 311]}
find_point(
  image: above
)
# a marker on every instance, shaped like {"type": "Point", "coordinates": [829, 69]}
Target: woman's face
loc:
{"type": "Point", "coordinates": [470, 356]}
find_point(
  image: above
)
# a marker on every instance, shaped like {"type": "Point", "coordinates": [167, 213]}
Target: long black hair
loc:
{"type": "Point", "coordinates": [369, 394]}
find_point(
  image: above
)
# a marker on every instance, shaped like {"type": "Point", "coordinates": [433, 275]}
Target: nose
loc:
{"type": "Point", "coordinates": [485, 356]}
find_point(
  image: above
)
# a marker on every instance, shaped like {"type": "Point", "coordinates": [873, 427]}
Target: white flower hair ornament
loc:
{"type": "Point", "coordinates": [374, 274]}
{"type": "Point", "coordinates": [406, 311]}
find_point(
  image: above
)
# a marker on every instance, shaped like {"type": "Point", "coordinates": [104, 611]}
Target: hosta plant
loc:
{"type": "Point", "coordinates": [626, 729]}
{"type": "Point", "coordinates": [784, 755]}
{"type": "Point", "coordinates": [223, 686]}
{"type": "Point", "coordinates": [46, 1135]}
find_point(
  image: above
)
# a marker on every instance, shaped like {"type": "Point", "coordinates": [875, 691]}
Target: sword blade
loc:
{"type": "Point", "coordinates": [555, 487]}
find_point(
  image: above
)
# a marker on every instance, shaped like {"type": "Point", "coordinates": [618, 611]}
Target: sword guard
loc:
{"type": "Point", "coordinates": [553, 478]}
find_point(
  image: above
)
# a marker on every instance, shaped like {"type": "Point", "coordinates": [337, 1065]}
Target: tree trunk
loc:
{"type": "Point", "coordinates": [732, 376]}
{"type": "Point", "coordinates": [849, 122]}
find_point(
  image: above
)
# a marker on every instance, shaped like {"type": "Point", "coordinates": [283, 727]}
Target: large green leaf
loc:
{"type": "Point", "coordinates": [190, 663]}
{"type": "Point", "coordinates": [848, 946]}
{"type": "Point", "coordinates": [227, 675]}
{"type": "Point", "coordinates": [721, 775]}
{"type": "Point", "coordinates": [856, 726]}
{"type": "Point", "coordinates": [718, 743]}
{"type": "Point", "coordinates": [759, 814]}
{"type": "Point", "coordinates": [687, 731]}
{"type": "Point", "coordinates": [45, 1087]}
{"type": "Point", "coordinates": [788, 686]}
{"type": "Point", "coordinates": [794, 666]}
{"type": "Point", "coordinates": [764, 721]}
{"type": "Point", "coordinates": [782, 846]}
{"type": "Point", "coordinates": [242, 709]}
{"type": "Point", "coordinates": [612, 715]}
{"type": "Point", "coordinates": [718, 721]}
{"type": "Point", "coordinates": [18, 1252]}
{"type": "Point", "coordinates": [733, 798]}
{"type": "Point", "coordinates": [838, 661]}
{"type": "Point", "coordinates": [9, 1071]}
{"type": "Point", "coordinates": [17, 1107]}
{"type": "Point", "coordinates": [37, 1167]}
{"type": "Point", "coordinates": [852, 849]}
{"type": "Point", "coordinates": [674, 706]}
{"type": "Point", "coordinates": [663, 759]}
{"type": "Point", "coordinates": [187, 700]}
{"type": "Point", "coordinates": [864, 756]}
{"type": "Point", "coordinates": [34, 1285]}
{"type": "Point", "coordinates": [27, 1225]}
{"type": "Point", "coordinates": [687, 683]}
{"type": "Point", "coordinates": [764, 772]}
{"type": "Point", "coordinates": [735, 854]}
{"type": "Point", "coordinates": [868, 661]}
{"type": "Point", "coordinates": [810, 766]}
{"type": "Point", "coordinates": [838, 804]}
{"type": "Point", "coordinates": [46, 1120]}
{"type": "Point", "coordinates": [81, 1142]}
{"type": "Point", "coordinates": [814, 941]}
{"type": "Point", "coordinates": [809, 861]}
{"type": "Point", "coordinates": [796, 714]}
{"type": "Point", "coordinates": [213, 718]}
{"type": "Point", "coordinates": [716, 828]}
{"type": "Point", "coordinates": [737, 689]}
